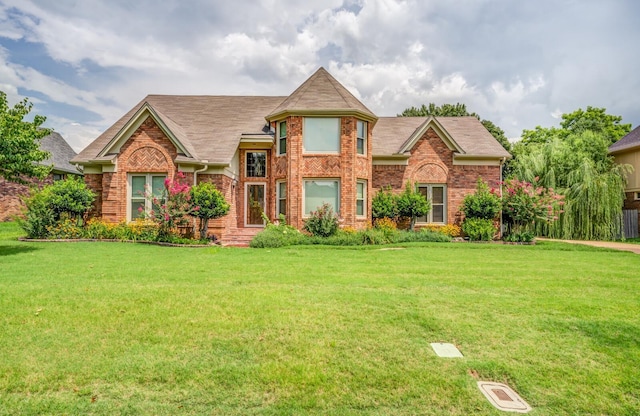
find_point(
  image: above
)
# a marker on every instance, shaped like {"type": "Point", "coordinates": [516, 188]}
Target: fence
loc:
{"type": "Point", "coordinates": [630, 223]}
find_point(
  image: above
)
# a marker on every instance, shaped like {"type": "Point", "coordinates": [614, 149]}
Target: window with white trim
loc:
{"type": "Point", "coordinates": [321, 135]}
{"type": "Point", "coordinates": [320, 191]}
{"type": "Point", "coordinates": [361, 140]}
{"type": "Point", "coordinates": [282, 138]}
{"type": "Point", "coordinates": [281, 198]}
{"type": "Point", "coordinates": [637, 196]}
{"type": "Point", "coordinates": [437, 194]}
{"type": "Point", "coordinates": [144, 188]}
{"type": "Point", "coordinates": [361, 198]}
{"type": "Point", "coordinates": [256, 166]}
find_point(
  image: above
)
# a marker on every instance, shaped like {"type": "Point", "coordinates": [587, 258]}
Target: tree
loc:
{"type": "Point", "coordinates": [595, 120]}
{"type": "Point", "coordinates": [412, 204]}
{"type": "Point", "coordinates": [20, 142]}
{"type": "Point", "coordinates": [484, 203]}
{"type": "Point", "coordinates": [384, 204]}
{"type": "Point", "coordinates": [457, 110]}
{"type": "Point", "coordinates": [208, 204]}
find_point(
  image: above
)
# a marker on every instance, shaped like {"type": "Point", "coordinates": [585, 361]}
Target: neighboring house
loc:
{"type": "Point", "coordinates": [61, 153]}
{"type": "Point", "coordinates": [627, 151]}
{"type": "Point", "coordinates": [287, 155]}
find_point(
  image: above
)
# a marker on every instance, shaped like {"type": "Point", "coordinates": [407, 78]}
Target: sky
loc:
{"type": "Point", "coordinates": [520, 64]}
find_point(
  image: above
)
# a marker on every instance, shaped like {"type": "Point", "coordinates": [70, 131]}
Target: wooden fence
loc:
{"type": "Point", "coordinates": [630, 223]}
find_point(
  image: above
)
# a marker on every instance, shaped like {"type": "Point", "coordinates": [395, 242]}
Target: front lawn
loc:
{"type": "Point", "coordinates": [120, 328]}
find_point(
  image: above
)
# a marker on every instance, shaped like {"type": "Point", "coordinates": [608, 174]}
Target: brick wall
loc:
{"type": "Point", "coordinates": [295, 167]}
{"type": "Point", "coordinates": [11, 195]}
{"type": "Point", "coordinates": [431, 162]}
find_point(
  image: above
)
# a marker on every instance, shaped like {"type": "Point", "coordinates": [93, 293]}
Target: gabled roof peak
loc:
{"type": "Point", "coordinates": [321, 93]}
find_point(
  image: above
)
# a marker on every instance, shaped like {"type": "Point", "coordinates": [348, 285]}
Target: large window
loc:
{"type": "Point", "coordinates": [361, 198]}
{"type": "Point", "coordinates": [321, 135]}
{"type": "Point", "coordinates": [282, 137]}
{"type": "Point", "coordinates": [143, 189]}
{"type": "Point", "coordinates": [281, 196]}
{"type": "Point", "coordinates": [321, 191]}
{"type": "Point", "coordinates": [256, 164]}
{"type": "Point", "coordinates": [437, 194]}
{"type": "Point", "coordinates": [361, 141]}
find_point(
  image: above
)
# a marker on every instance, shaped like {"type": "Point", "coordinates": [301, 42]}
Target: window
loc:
{"type": "Point", "coordinates": [320, 191]}
{"type": "Point", "coordinates": [361, 141]}
{"type": "Point", "coordinates": [281, 196]}
{"type": "Point", "coordinates": [282, 137]}
{"type": "Point", "coordinates": [361, 198]}
{"type": "Point", "coordinates": [321, 135]}
{"type": "Point", "coordinates": [437, 194]}
{"type": "Point", "coordinates": [637, 196]}
{"type": "Point", "coordinates": [143, 189]}
{"type": "Point", "coordinates": [59, 177]}
{"type": "Point", "coordinates": [256, 164]}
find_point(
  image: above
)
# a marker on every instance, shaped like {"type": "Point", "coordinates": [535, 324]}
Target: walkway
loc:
{"type": "Point", "coordinates": [634, 248]}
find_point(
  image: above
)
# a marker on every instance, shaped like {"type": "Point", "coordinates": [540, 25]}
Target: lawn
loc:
{"type": "Point", "coordinates": [119, 328]}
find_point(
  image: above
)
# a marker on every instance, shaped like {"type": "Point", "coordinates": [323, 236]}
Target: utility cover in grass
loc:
{"type": "Point", "coordinates": [443, 349]}
{"type": "Point", "coordinates": [503, 398]}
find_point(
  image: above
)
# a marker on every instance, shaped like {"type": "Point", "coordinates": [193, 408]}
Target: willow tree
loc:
{"type": "Point", "coordinates": [578, 167]}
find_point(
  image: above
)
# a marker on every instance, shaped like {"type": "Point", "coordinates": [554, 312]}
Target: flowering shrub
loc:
{"type": "Point", "coordinates": [524, 204]}
{"type": "Point", "coordinates": [385, 224]}
{"type": "Point", "coordinates": [451, 230]}
{"type": "Point", "coordinates": [172, 208]}
{"type": "Point", "coordinates": [322, 222]}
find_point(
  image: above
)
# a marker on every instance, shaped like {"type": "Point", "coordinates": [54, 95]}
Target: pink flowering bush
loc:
{"type": "Point", "coordinates": [524, 204]}
{"type": "Point", "coordinates": [173, 207]}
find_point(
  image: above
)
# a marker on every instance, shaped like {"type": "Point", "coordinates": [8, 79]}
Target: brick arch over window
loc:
{"type": "Point", "coordinates": [148, 159]}
{"type": "Point", "coordinates": [430, 173]}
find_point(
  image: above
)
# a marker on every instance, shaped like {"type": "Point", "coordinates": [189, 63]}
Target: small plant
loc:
{"type": "Point", "coordinates": [384, 204]}
{"type": "Point", "coordinates": [520, 237]}
{"type": "Point", "coordinates": [385, 224]}
{"type": "Point", "coordinates": [412, 204]}
{"type": "Point", "coordinates": [322, 222]}
{"type": "Point", "coordinates": [479, 229]}
{"type": "Point", "coordinates": [451, 230]}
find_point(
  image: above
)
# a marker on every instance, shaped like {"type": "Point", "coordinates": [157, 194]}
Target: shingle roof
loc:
{"type": "Point", "coordinates": [321, 92]}
{"type": "Point", "coordinates": [208, 126]}
{"type": "Point", "coordinates": [630, 141]}
{"type": "Point", "coordinates": [392, 133]}
{"type": "Point", "coordinates": [61, 153]}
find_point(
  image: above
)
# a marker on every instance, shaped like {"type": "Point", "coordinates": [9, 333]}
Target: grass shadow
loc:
{"type": "Point", "coordinates": [12, 250]}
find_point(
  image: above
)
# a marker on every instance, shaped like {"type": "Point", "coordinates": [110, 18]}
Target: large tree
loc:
{"type": "Point", "coordinates": [20, 152]}
{"type": "Point", "coordinates": [457, 110]}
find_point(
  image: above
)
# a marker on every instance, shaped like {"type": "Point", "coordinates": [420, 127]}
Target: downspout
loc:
{"type": "Point", "coordinates": [502, 161]}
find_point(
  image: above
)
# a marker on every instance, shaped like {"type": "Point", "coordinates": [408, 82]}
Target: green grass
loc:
{"type": "Point", "coordinates": [117, 328]}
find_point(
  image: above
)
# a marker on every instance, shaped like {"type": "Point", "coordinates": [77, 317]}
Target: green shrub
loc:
{"type": "Point", "coordinates": [520, 237]}
{"type": "Point", "coordinates": [322, 222]}
{"type": "Point", "coordinates": [375, 236]}
{"type": "Point", "coordinates": [273, 236]}
{"type": "Point", "coordinates": [384, 204]}
{"type": "Point", "coordinates": [208, 203]}
{"type": "Point", "coordinates": [412, 204]}
{"type": "Point", "coordinates": [479, 229]}
{"type": "Point", "coordinates": [39, 214]}
{"type": "Point", "coordinates": [485, 203]}
{"type": "Point", "coordinates": [422, 236]}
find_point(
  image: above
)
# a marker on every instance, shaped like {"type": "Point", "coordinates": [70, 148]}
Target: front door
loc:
{"type": "Point", "coordinates": [255, 204]}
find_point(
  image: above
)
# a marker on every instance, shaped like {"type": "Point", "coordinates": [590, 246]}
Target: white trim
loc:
{"type": "Point", "coordinates": [440, 131]}
{"type": "Point", "coordinates": [278, 138]}
{"type": "Point", "coordinates": [148, 183]}
{"type": "Point", "coordinates": [636, 196]}
{"type": "Point", "coordinates": [279, 198]}
{"type": "Point", "coordinates": [304, 196]}
{"type": "Point", "coordinates": [364, 138]}
{"type": "Point", "coordinates": [246, 203]}
{"type": "Point", "coordinates": [445, 202]}
{"type": "Point", "coordinates": [477, 162]}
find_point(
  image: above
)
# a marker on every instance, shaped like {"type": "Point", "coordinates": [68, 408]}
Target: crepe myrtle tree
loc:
{"type": "Point", "coordinates": [208, 204]}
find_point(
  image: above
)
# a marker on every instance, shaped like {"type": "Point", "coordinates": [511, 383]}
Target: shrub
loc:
{"type": "Point", "coordinates": [376, 236]}
{"type": "Point", "coordinates": [274, 236]}
{"type": "Point", "coordinates": [385, 224]}
{"type": "Point", "coordinates": [423, 236]}
{"type": "Point", "coordinates": [66, 228]}
{"type": "Point", "coordinates": [412, 204]}
{"type": "Point", "coordinates": [70, 198]}
{"type": "Point", "coordinates": [520, 237]}
{"type": "Point", "coordinates": [322, 222]}
{"type": "Point", "coordinates": [384, 204]}
{"type": "Point", "coordinates": [479, 229]}
{"type": "Point", "coordinates": [208, 203]}
{"type": "Point", "coordinates": [485, 203]}
{"type": "Point", "coordinates": [451, 230]}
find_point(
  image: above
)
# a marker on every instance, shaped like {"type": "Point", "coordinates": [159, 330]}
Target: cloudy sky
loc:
{"type": "Point", "coordinates": [84, 63]}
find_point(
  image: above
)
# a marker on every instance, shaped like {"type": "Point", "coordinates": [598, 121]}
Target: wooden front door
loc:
{"type": "Point", "coordinates": [255, 204]}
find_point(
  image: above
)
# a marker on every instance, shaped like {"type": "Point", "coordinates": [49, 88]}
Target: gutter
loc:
{"type": "Point", "coordinates": [205, 166]}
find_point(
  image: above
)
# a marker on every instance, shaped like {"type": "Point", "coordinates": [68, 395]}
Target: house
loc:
{"type": "Point", "coordinates": [627, 151]}
{"type": "Point", "coordinates": [11, 193]}
{"type": "Point", "coordinates": [287, 155]}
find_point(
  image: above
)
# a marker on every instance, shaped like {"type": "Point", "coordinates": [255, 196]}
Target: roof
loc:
{"type": "Point", "coordinates": [61, 153]}
{"type": "Point", "coordinates": [321, 92]}
{"type": "Point", "coordinates": [209, 127]}
{"type": "Point", "coordinates": [393, 135]}
{"type": "Point", "coordinates": [628, 142]}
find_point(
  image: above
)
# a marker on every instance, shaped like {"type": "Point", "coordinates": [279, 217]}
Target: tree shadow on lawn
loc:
{"type": "Point", "coordinates": [12, 250]}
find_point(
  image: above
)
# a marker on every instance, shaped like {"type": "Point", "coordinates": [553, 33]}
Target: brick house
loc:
{"type": "Point", "coordinates": [11, 193]}
{"type": "Point", "coordinates": [627, 151]}
{"type": "Point", "coordinates": [287, 155]}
